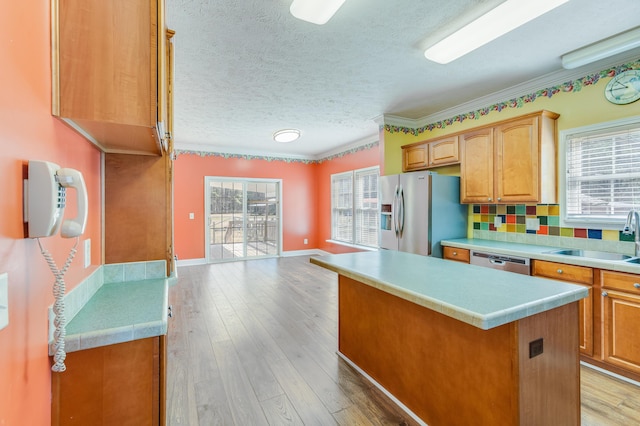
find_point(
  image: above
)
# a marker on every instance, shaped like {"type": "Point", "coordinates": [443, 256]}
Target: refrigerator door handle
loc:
{"type": "Point", "coordinates": [396, 227]}
{"type": "Point", "coordinates": [401, 211]}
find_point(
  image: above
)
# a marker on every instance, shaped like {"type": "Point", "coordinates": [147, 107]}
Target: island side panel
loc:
{"type": "Point", "coordinates": [550, 382]}
{"type": "Point", "coordinates": [446, 371]}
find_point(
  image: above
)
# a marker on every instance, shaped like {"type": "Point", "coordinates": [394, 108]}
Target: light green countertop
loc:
{"type": "Point", "coordinates": [483, 297]}
{"type": "Point", "coordinates": [539, 252]}
{"type": "Point", "coordinates": [120, 312]}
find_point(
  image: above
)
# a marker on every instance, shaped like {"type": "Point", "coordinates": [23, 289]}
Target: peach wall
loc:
{"type": "Point", "coordinates": [353, 161]}
{"type": "Point", "coordinates": [306, 190]}
{"type": "Point", "coordinates": [298, 197]}
{"type": "Point", "coordinates": [30, 132]}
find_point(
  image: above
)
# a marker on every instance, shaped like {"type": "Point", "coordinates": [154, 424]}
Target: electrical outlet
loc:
{"type": "Point", "coordinates": [306, 241]}
{"type": "Point", "coordinates": [497, 221]}
{"type": "Point", "coordinates": [192, 216]}
{"type": "Point", "coordinates": [87, 252]}
{"type": "Point", "coordinates": [532, 224]}
{"type": "Point", "coordinates": [536, 348]}
{"type": "Point", "coordinates": [4, 300]}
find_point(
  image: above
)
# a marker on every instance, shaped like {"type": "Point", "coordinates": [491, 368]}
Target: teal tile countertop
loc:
{"type": "Point", "coordinates": [539, 252]}
{"type": "Point", "coordinates": [119, 312]}
{"type": "Point", "coordinates": [483, 297]}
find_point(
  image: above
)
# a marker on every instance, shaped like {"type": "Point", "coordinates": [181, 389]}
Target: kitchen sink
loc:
{"type": "Point", "coordinates": [593, 254]}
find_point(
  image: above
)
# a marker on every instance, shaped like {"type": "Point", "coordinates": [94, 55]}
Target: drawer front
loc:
{"type": "Point", "coordinates": [621, 281]}
{"type": "Point", "coordinates": [563, 272]}
{"type": "Point", "coordinates": [457, 254]}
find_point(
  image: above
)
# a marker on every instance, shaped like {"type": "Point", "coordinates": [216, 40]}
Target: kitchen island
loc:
{"type": "Point", "coordinates": [460, 344]}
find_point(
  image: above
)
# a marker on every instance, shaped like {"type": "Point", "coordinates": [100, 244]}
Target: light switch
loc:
{"type": "Point", "coordinates": [4, 300]}
{"type": "Point", "coordinates": [87, 252]}
{"type": "Point", "coordinates": [497, 221]}
{"type": "Point", "coordinates": [532, 224]}
{"type": "Point", "coordinates": [192, 216]}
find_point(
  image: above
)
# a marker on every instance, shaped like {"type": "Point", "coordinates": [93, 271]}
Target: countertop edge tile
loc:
{"type": "Point", "coordinates": [106, 337]}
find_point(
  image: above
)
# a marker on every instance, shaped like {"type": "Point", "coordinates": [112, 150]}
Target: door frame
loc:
{"type": "Point", "coordinates": [207, 203]}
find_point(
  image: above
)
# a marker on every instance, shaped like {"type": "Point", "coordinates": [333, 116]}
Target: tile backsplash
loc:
{"type": "Point", "coordinates": [543, 221]}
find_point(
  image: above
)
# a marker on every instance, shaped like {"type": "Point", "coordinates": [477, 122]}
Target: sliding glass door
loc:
{"type": "Point", "coordinates": [243, 218]}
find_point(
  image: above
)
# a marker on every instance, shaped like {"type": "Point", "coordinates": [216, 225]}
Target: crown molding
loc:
{"type": "Point", "coordinates": [396, 120]}
{"type": "Point", "coordinates": [547, 80]}
{"type": "Point", "coordinates": [343, 149]}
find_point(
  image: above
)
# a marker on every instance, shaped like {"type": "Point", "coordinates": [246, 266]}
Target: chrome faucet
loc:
{"type": "Point", "coordinates": [631, 227]}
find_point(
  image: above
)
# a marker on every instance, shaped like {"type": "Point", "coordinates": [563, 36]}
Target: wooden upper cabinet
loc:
{"type": "Point", "coordinates": [517, 166]}
{"type": "Point", "coordinates": [427, 154]}
{"type": "Point", "coordinates": [415, 157]}
{"type": "Point", "coordinates": [476, 166]}
{"type": "Point", "coordinates": [444, 151]}
{"type": "Point", "coordinates": [108, 63]}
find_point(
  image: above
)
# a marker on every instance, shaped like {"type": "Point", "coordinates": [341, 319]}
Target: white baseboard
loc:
{"type": "Point", "coordinates": [191, 262]}
{"type": "Point", "coordinates": [203, 261]}
{"type": "Point", "coordinates": [304, 253]}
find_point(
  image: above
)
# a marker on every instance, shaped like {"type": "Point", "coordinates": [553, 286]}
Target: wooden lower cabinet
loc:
{"type": "Point", "coordinates": [457, 254]}
{"type": "Point", "coordinates": [573, 274]}
{"type": "Point", "coordinates": [621, 320]}
{"type": "Point", "coordinates": [121, 384]}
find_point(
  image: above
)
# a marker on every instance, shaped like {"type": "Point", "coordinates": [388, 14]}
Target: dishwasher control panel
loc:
{"type": "Point", "coordinates": [519, 265]}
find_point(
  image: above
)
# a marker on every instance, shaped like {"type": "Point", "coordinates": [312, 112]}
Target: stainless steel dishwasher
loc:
{"type": "Point", "coordinates": [519, 265]}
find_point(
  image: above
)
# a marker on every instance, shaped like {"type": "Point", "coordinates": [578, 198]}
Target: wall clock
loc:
{"type": "Point", "coordinates": [624, 88]}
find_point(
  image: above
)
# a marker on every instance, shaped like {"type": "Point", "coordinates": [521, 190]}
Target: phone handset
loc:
{"type": "Point", "coordinates": [70, 178]}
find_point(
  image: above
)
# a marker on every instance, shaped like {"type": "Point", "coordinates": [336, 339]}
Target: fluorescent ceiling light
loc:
{"type": "Point", "coordinates": [315, 11]}
{"type": "Point", "coordinates": [286, 135]}
{"type": "Point", "coordinates": [602, 49]}
{"type": "Point", "coordinates": [504, 18]}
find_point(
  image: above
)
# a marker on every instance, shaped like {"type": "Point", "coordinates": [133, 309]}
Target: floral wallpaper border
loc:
{"type": "Point", "coordinates": [275, 158]}
{"type": "Point", "coordinates": [568, 87]}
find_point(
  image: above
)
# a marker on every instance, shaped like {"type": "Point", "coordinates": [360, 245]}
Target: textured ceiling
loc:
{"type": "Point", "coordinates": [247, 68]}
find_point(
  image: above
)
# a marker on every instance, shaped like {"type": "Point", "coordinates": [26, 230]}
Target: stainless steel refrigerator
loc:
{"type": "Point", "coordinates": [418, 210]}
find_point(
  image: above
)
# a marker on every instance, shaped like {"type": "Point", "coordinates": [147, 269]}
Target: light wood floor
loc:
{"type": "Point", "coordinates": [254, 343]}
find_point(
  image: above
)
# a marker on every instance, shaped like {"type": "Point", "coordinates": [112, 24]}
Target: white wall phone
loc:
{"type": "Point", "coordinates": [46, 200]}
{"type": "Point", "coordinates": [44, 203]}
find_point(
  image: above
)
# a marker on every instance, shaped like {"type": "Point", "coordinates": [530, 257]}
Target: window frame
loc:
{"type": "Point", "coordinates": [354, 207]}
{"type": "Point", "coordinates": [564, 137]}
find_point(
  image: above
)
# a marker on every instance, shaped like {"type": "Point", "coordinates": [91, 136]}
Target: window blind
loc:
{"type": "Point", "coordinates": [354, 207]}
{"type": "Point", "coordinates": [603, 173]}
{"type": "Point", "coordinates": [366, 207]}
{"type": "Point", "coordinates": [342, 207]}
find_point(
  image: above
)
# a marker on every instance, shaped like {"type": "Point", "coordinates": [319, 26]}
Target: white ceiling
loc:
{"type": "Point", "coordinates": [247, 68]}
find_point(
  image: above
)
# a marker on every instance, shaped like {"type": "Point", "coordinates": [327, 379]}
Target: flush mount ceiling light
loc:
{"type": "Point", "coordinates": [498, 21]}
{"type": "Point", "coordinates": [602, 49]}
{"type": "Point", "coordinates": [315, 11]}
{"type": "Point", "coordinates": [286, 135]}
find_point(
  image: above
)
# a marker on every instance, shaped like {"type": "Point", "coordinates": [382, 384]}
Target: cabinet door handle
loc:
{"type": "Point", "coordinates": [636, 285]}
{"type": "Point", "coordinates": [499, 198]}
{"type": "Point", "coordinates": [490, 199]}
{"type": "Point", "coordinates": [559, 271]}
{"type": "Point", "coordinates": [605, 294]}
{"type": "Point", "coordinates": [455, 253]}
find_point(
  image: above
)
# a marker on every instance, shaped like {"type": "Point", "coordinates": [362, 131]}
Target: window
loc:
{"type": "Point", "coordinates": [600, 175]}
{"type": "Point", "coordinates": [354, 207]}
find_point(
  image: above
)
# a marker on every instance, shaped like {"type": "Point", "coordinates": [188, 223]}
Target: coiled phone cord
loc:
{"type": "Point", "coordinates": [59, 321]}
